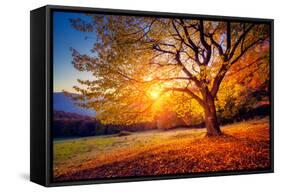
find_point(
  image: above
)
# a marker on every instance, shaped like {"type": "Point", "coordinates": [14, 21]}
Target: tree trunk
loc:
{"type": "Point", "coordinates": [211, 121]}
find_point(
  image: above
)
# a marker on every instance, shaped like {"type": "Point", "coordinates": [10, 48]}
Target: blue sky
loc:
{"type": "Point", "coordinates": [65, 37]}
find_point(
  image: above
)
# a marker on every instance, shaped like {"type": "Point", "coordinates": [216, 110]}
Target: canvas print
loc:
{"type": "Point", "coordinates": [138, 96]}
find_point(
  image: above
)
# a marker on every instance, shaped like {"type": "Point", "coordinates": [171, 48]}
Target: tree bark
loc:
{"type": "Point", "coordinates": [211, 121]}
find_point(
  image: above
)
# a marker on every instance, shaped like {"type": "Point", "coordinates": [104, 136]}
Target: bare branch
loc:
{"type": "Point", "coordinates": [191, 45]}
{"type": "Point", "coordinates": [157, 48]}
{"type": "Point", "coordinates": [217, 45]}
{"type": "Point", "coordinates": [228, 37]}
{"type": "Point", "coordinates": [207, 47]}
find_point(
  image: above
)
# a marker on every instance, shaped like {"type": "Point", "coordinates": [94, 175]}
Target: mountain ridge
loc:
{"type": "Point", "coordinates": [61, 102]}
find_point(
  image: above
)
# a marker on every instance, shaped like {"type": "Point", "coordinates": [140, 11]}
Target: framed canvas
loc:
{"type": "Point", "coordinates": [119, 95]}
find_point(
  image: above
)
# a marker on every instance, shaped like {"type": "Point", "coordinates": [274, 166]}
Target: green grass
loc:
{"type": "Point", "coordinates": [92, 146]}
{"type": "Point", "coordinates": [70, 148]}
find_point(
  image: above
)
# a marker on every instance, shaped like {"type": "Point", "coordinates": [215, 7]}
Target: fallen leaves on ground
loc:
{"type": "Point", "coordinates": [244, 146]}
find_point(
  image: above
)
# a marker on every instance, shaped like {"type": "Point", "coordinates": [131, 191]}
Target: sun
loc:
{"type": "Point", "coordinates": [154, 93]}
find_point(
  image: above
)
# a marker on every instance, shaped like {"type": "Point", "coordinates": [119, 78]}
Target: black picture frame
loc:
{"type": "Point", "coordinates": [41, 58]}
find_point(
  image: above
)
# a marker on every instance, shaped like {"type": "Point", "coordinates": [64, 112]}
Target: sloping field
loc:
{"type": "Point", "coordinates": [244, 146]}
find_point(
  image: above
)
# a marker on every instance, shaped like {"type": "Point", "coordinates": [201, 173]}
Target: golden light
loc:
{"type": "Point", "coordinates": [154, 94]}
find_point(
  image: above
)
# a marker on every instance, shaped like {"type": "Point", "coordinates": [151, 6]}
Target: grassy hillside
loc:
{"type": "Point", "coordinates": [245, 145]}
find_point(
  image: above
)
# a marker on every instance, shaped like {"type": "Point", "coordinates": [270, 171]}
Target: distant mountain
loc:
{"type": "Point", "coordinates": [62, 115]}
{"type": "Point", "coordinates": [62, 102]}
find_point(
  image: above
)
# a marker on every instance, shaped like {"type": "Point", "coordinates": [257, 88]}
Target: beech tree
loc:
{"type": "Point", "coordinates": [141, 65]}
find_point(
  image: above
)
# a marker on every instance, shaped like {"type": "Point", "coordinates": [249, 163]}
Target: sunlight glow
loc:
{"type": "Point", "coordinates": [154, 94]}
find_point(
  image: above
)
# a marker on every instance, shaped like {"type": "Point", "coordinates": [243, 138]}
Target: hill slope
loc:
{"type": "Point", "coordinates": [245, 146]}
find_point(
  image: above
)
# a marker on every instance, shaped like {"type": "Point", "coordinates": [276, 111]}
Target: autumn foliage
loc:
{"type": "Point", "coordinates": [144, 66]}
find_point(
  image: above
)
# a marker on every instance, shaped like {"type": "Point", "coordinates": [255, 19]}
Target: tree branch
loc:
{"type": "Point", "coordinates": [157, 48]}
{"type": "Point", "coordinates": [187, 72]}
{"type": "Point", "coordinates": [207, 47]}
{"type": "Point", "coordinates": [246, 49]}
{"type": "Point", "coordinates": [245, 67]}
{"type": "Point", "coordinates": [219, 77]}
{"type": "Point", "coordinates": [228, 37]}
{"type": "Point", "coordinates": [217, 45]}
{"type": "Point", "coordinates": [240, 39]}
{"type": "Point", "coordinates": [189, 92]}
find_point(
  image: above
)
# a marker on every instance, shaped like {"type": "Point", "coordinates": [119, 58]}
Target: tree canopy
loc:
{"type": "Point", "coordinates": [142, 66]}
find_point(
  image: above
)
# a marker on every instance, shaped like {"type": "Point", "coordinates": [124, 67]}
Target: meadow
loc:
{"type": "Point", "coordinates": [243, 146]}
